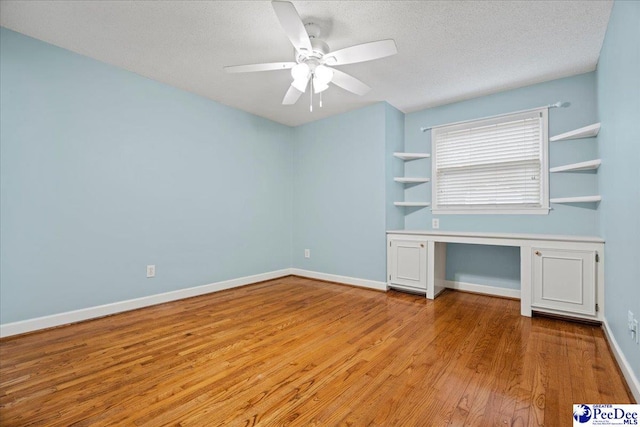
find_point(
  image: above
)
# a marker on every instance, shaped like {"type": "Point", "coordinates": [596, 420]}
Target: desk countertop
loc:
{"type": "Point", "coordinates": [483, 235]}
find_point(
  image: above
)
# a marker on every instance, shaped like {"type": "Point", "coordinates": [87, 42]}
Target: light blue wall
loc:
{"type": "Point", "coordinates": [339, 194]}
{"type": "Point", "coordinates": [580, 91]}
{"type": "Point", "coordinates": [497, 266]}
{"type": "Point", "coordinates": [618, 77]}
{"type": "Point", "coordinates": [394, 137]}
{"type": "Point", "coordinates": [103, 172]}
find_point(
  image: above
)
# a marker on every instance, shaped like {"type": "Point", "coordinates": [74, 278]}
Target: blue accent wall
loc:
{"type": "Point", "coordinates": [339, 194]}
{"type": "Point", "coordinates": [103, 172]}
{"type": "Point", "coordinates": [618, 77]}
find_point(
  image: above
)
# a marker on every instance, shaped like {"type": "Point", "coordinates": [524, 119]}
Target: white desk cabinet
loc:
{"type": "Point", "coordinates": [561, 275]}
{"type": "Point", "coordinates": [564, 280]}
{"type": "Point", "coordinates": [407, 263]}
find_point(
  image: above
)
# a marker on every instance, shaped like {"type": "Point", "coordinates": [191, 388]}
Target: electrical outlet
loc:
{"type": "Point", "coordinates": [435, 223]}
{"type": "Point", "coordinates": [307, 253]}
{"type": "Point", "coordinates": [632, 324]}
{"type": "Point", "coordinates": [151, 271]}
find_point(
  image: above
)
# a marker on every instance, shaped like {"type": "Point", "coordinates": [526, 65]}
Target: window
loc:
{"type": "Point", "coordinates": [494, 165]}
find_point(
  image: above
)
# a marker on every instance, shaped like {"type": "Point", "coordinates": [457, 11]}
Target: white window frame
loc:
{"type": "Point", "coordinates": [543, 209]}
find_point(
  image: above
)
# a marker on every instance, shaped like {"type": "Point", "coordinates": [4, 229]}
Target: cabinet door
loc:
{"type": "Point", "coordinates": [409, 263]}
{"type": "Point", "coordinates": [564, 280]}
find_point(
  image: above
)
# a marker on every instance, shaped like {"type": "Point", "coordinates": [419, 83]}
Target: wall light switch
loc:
{"type": "Point", "coordinates": [151, 271]}
{"type": "Point", "coordinates": [307, 253]}
{"type": "Point", "coordinates": [435, 223]}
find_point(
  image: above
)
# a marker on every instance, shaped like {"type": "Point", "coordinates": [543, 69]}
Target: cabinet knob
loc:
{"type": "Point", "coordinates": [538, 253]}
{"type": "Point", "coordinates": [422, 245]}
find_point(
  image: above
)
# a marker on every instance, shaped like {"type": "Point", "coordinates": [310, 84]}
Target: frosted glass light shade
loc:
{"type": "Point", "coordinates": [323, 74]}
{"type": "Point", "coordinates": [319, 86]}
{"type": "Point", "coordinates": [300, 84]}
{"type": "Point", "coordinates": [300, 71]}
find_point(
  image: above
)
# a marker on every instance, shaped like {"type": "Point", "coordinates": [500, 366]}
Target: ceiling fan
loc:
{"type": "Point", "coordinates": [313, 59]}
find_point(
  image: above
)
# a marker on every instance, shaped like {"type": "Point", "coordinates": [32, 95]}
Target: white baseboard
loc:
{"type": "Point", "coordinates": [625, 367]}
{"type": "Point", "coordinates": [363, 283]}
{"type": "Point", "coordinates": [30, 325]}
{"type": "Point", "coordinates": [483, 289]}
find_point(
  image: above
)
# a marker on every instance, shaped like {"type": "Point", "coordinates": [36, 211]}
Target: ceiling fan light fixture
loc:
{"type": "Point", "coordinates": [323, 75]}
{"type": "Point", "coordinates": [300, 84]}
{"type": "Point", "coordinates": [314, 59]}
{"type": "Point", "coordinates": [319, 85]}
{"type": "Point", "coordinates": [300, 72]}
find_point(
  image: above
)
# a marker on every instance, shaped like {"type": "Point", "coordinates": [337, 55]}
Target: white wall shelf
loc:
{"type": "Point", "coordinates": [412, 156]}
{"type": "Point", "coordinates": [579, 199]}
{"type": "Point", "coordinates": [405, 180]}
{"type": "Point", "coordinates": [412, 204]}
{"type": "Point", "coordinates": [584, 132]}
{"type": "Point", "coordinates": [582, 166]}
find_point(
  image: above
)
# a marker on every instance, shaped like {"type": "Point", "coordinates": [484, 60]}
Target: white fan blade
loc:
{"type": "Point", "coordinates": [259, 67]}
{"type": "Point", "coordinates": [292, 96]}
{"type": "Point", "coordinates": [362, 52]}
{"type": "Point", "coordinates": [350, 83]}
{"type": "Point", "coordinates": [292, 25]}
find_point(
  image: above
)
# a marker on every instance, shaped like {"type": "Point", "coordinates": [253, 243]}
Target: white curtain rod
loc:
{"type": "Point", "coordinates": [559, 104]}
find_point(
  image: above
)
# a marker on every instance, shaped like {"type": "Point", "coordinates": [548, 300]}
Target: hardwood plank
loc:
{"type": "Point", "coordinates": [297, 351]}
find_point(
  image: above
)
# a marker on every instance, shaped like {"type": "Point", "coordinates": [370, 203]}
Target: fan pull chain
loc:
{"type": "Point", "coordinates": [311, 96]}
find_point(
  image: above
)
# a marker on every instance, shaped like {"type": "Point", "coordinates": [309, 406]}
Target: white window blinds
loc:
{"type": "Point", "coordinates": [498, 164]}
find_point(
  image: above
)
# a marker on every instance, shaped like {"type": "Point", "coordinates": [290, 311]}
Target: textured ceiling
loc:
{"type": "Point", "coordinates": [447, 50]}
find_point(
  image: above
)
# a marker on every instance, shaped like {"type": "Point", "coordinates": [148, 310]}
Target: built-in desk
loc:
{"type": "Point", "coordinates": [562, 275]}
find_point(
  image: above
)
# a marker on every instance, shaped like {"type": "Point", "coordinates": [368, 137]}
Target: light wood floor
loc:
{"type": "Point", "coordinates": [295, 351]}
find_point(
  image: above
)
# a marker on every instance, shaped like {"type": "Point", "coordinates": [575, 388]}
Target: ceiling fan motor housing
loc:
{"type": "Point", "coordinates": [318, 50]}
{"type": "Point", "coordinates": [313, 30]}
